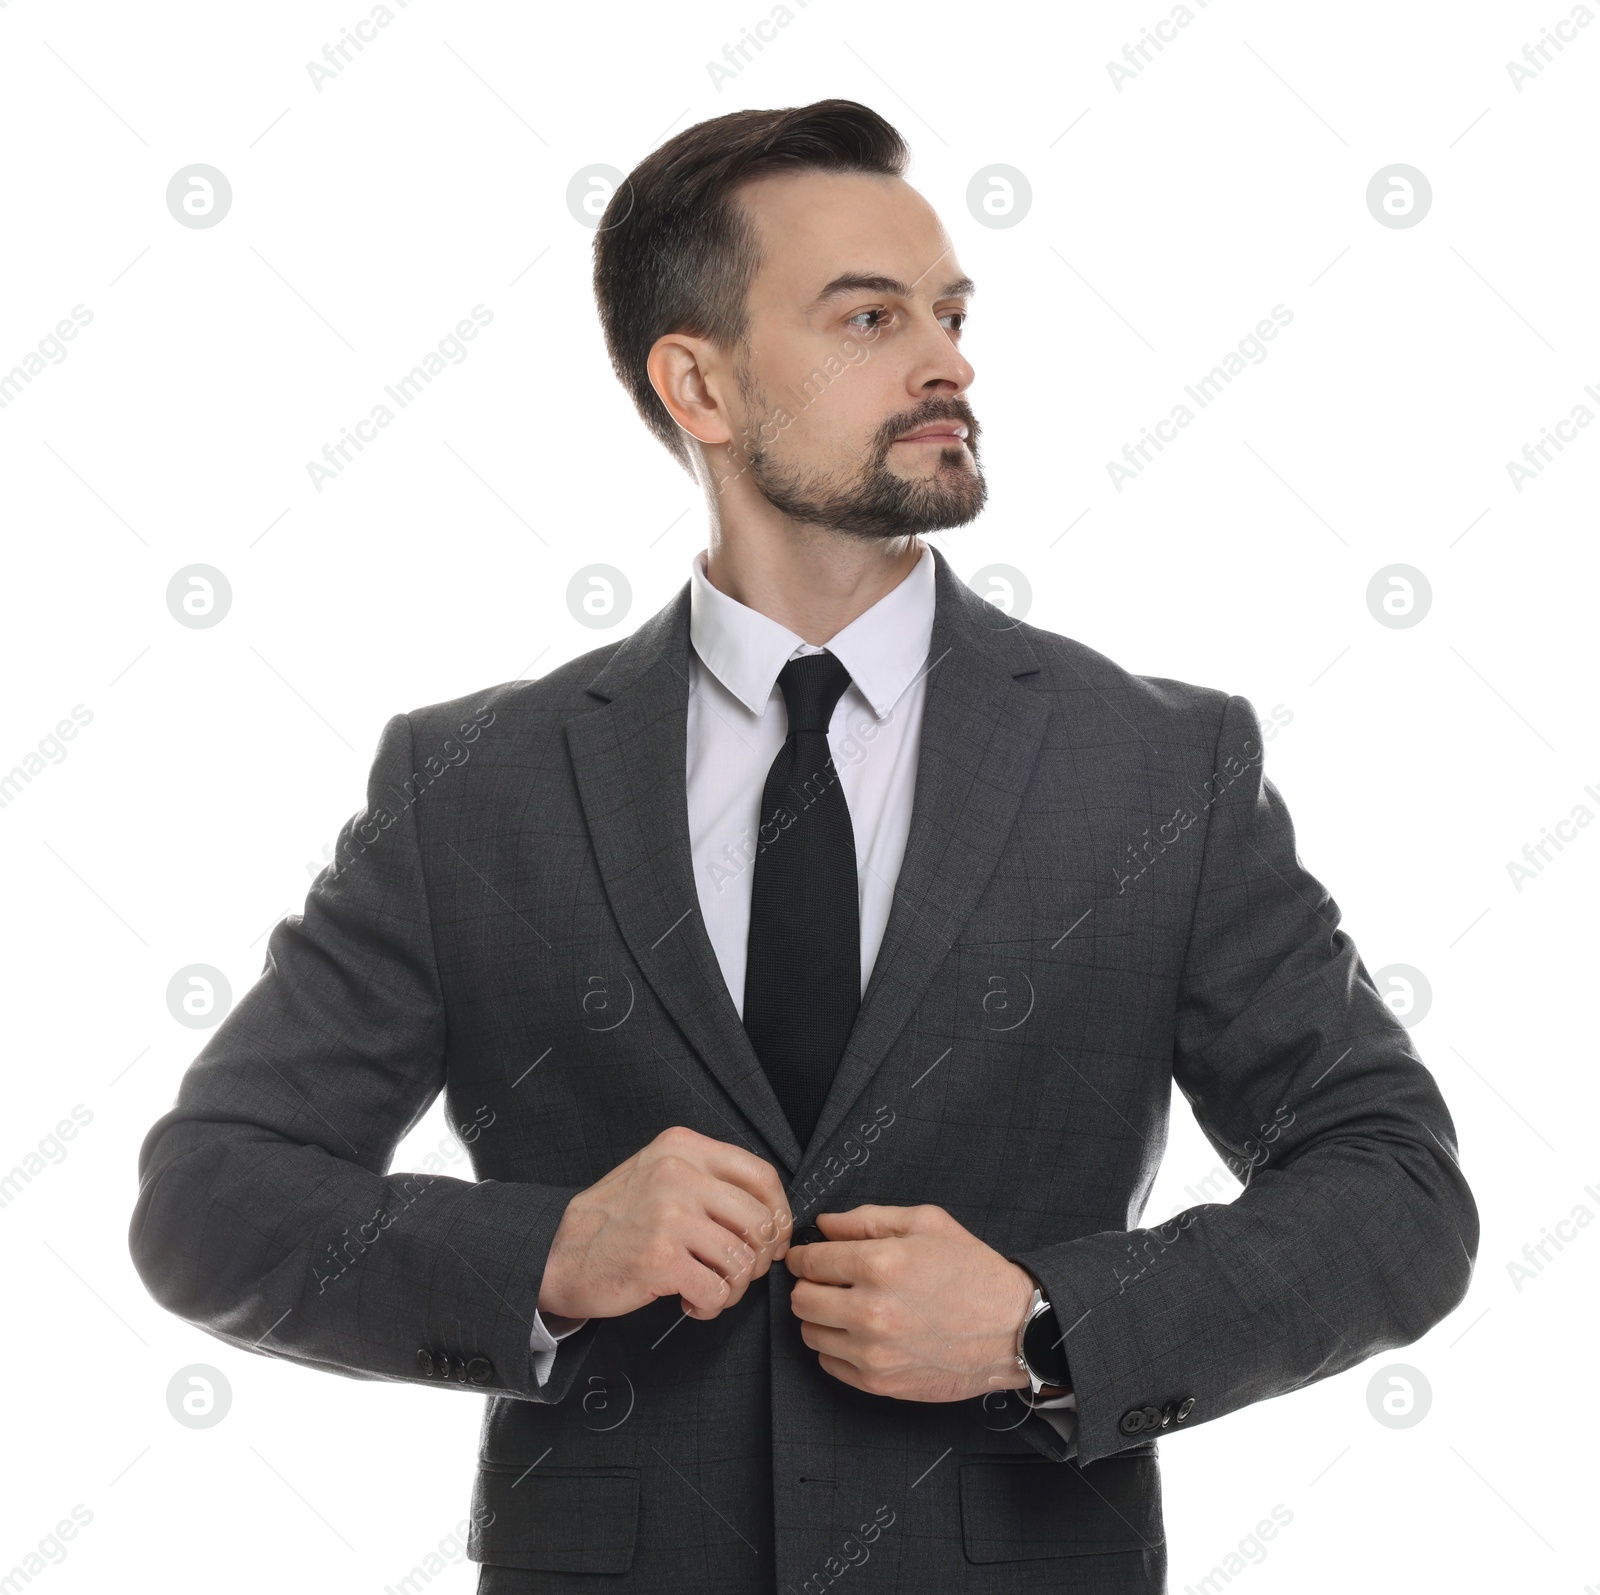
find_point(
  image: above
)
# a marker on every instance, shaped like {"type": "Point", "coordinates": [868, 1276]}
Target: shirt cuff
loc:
{"type": "Point", "coordinates": [543, 1337]}
{"type": "Point", "coordinates": [1069, 1401]}
{"type": "Point", "coordinates": [1062, 1416]}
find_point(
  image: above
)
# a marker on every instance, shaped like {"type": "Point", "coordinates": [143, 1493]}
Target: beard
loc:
{"type": "Point", "coordinates": [873, 501]}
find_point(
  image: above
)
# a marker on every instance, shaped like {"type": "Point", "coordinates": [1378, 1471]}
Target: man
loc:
{"type": "Point", "coordinates": [814, 964]}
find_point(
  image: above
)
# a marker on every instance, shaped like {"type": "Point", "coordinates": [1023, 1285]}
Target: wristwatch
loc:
{"type": "Point", "coordinates": [1039, 1351]}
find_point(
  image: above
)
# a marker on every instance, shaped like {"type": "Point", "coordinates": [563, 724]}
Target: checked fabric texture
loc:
{"type": "Point", "coordinates": [1101, 900]}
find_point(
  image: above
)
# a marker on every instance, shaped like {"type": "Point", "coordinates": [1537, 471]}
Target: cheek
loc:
{"type": "Point", "coordinates": [847, 422]}
{"type": "Point", "coordinates": [815, 404]}
{"type": "Point", "coordinates": [812, 432]}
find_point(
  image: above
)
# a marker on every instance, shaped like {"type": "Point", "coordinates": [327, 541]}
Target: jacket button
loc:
{"type": "Point", "coordinates": [441, 1365]}
{"type": "Point", "coordinates": [806, 1235]}
{"type": "Point", "coordinates": [425, 1362]}
{"type": "Point", "coordinates": [480, 1371]}
{"type": "Point", "coordinates": [1186, 1408]}
{"type": "Point", "coordinates": [1152, 1417]}
{"type": "Point", "coordinates": [1132, 1421]}
{"type": "Point", "coordinates": [1166, 1414]}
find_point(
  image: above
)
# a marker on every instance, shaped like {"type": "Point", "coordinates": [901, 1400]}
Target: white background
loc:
{"type": "Point", "coordinates": [1168, 217]}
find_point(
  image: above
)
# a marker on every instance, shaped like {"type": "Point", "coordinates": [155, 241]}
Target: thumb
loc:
{"type": "Point", "coordinates": [869, 1222]}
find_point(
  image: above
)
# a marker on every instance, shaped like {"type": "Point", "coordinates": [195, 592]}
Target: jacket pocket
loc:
{"type": "Point", "coordinates": [1017, 1508]}
{"type": "Point", "coordinates": [554, 1520]}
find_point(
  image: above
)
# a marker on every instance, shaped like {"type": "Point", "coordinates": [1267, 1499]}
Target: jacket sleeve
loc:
{"type": "Point", "coordinates": [266, 1214]}
{"type": "Point", "coordinates": [1355, 1231]}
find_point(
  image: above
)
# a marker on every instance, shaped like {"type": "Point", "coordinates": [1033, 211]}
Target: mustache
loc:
{"type": "Point", "coordinates": [925, 415]}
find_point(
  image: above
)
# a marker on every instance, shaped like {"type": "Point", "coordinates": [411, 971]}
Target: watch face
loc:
{"type": "Point", "coordinates": [1047, 1360]}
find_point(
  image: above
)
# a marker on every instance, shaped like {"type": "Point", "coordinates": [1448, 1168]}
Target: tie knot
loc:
{"type": "Point", "coordinates": [812, 686]}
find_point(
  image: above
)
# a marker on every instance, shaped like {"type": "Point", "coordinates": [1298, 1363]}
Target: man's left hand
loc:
{"type": "Point", "coordinates": [905, 1302]}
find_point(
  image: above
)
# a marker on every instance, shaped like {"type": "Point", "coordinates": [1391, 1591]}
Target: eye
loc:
{"type": "Point", "coordinates": [877, 310]}
{"type": "Point", "coordinates": [959, 316]}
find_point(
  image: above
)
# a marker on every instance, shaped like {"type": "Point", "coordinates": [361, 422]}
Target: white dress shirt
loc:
{"type": "Point", "coordinates": [737, 723]}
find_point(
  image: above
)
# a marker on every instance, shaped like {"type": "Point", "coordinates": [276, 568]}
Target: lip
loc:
{"type": "Point", "coordinates": [941, 432]}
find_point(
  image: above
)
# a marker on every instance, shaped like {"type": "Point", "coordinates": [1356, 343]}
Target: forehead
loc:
{"type": "Point", "coordinates": [816, 226]}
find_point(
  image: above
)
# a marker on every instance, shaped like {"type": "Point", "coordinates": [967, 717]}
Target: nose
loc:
{"type": "Point", "coordinates": [941, 368]}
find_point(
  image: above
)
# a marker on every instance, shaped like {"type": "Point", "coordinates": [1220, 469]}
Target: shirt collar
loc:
{"type": "Point", "coordinates": [883, 648]}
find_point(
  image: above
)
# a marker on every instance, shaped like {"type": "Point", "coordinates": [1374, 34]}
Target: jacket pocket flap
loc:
{"type": "Point", "coordinates": [554, 1520]}
{"type": "Point", "coordinates": [1016, 1509]}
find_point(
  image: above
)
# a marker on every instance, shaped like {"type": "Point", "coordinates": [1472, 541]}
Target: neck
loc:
{"type": "Point", "coordinates": [808, 579]}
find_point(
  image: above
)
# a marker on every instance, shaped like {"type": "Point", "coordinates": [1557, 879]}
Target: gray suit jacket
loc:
{"type": "Point", "coordinates": [1100, 896]}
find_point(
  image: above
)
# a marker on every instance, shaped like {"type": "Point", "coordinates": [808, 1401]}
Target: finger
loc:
{"type": "Point", "coordinates": [750, 1173]}
{"type": "Point", "coordinates": [703, 1291]}
{"type": "Point", "coordinates": [845, 1372]}
{"type": "Point", "coordinates": [827, 1306]}
{"type": "Point", "coordinates": [725, 1253]}
{"type": "Point", "coordinates": [869, 1222]}
{"type": "Point", "coordinates": [831, 1343]}
{"type": "Point", "coordinates": [737, 1210]}
{"type": "Point", "coordinates": [833, 1262]}
{"type": "Point", "coordinates": [732, 1165]}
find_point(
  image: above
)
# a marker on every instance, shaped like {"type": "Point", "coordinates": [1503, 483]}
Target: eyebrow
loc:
{"type": "Point", "coordinates": [851, 282]}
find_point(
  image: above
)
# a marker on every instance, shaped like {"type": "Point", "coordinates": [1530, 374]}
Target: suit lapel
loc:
{"type": "Point", "coordinates": [981, 732]}
{"type": "Point", "coordinates": [630, 761]}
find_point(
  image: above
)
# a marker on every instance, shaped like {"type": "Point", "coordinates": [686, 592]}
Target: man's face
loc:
{"type": "Point", "coordinates": [852, 380]}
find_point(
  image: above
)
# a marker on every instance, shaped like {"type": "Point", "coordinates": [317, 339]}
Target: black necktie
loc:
{"type": "Point", "coordinates": [802, 981]}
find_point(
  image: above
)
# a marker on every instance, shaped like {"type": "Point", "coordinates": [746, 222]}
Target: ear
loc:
{"type": "Point", "coordinates": [687, 378]}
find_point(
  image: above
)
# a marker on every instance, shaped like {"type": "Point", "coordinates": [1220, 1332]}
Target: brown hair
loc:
{"type": "Point", "coordinates": [674, 253]}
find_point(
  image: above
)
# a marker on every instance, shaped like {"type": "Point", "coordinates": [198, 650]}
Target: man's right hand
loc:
{"type": "Point", "coordinates": [686, 1216]}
